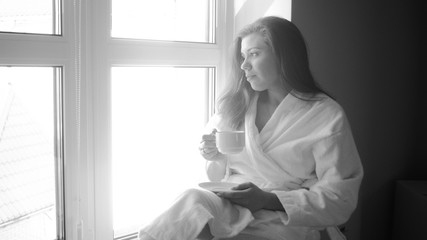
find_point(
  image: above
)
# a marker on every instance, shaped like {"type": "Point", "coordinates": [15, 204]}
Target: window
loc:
{"type": "Point", "coordinates": [85, 68]}
{"type": "Point", "coordinates": [161, 89]}
{"type": "Point", "coordinates": [37, 65]}
{"type": "Point", "coordinates": [90, 75]}
{"type": "Point", "coordinates": [137, 74]}
{"type": "Point", "coordinates": [157, 117]}
{"type": "Point", "coordinates": [30, 158]}
{"type": "Point", "coordinates": [172, 20]}
{"type": "Point", "coordinates": [28, 16]}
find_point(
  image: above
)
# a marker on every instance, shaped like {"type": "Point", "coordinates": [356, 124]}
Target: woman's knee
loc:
{"type": "Point", "coordinates": [197, 195]}
{"type": "Point", "coordinates": [200, 197]}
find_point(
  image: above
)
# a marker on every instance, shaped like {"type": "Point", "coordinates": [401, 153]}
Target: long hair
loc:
{"type": "Point", "coordinates": [289, 48]}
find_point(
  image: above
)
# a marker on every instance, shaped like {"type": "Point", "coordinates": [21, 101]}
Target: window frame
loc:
{"type": "Point", "coordinates": [59, 51]}
{"type": "Point", "coordinates": [112, 52]}
{"type": "Point", "coordinates": [85, 52]}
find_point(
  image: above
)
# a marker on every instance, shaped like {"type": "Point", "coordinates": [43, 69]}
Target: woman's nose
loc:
{"type": "Point", "coordinates": [245, 65]}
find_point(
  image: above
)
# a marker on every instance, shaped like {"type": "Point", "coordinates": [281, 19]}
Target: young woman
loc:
{"type": "Point", "coordinates": [300, 171]}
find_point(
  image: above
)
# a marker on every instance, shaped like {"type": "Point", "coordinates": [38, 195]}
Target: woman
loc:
{"type": "Point", "coordinates": [300, 171]}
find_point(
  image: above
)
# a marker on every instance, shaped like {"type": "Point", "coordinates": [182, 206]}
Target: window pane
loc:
{"type": "Point", "coordinates": [30, 16]}
{"type": "Point", "coordinates": [158, 114]}
{"type": "Point", "coordinates": [172, 20]}
{"type": "Point", "coordinates": [28, 203]}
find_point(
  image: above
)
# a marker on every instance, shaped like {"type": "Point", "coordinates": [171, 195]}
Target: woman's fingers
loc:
{"type": "Point", "coordinates": [247, 195]}
{"type": "Point", "coordinates": [240, 191]}
{"type": "Point", "coordinates": [207, 146]}
{"type": "Point", "coordinates": [243, 186]}
{"type": "Point", "coordinates": [208, 151]}
{"type": "Point", "coordinates": [208, 137]}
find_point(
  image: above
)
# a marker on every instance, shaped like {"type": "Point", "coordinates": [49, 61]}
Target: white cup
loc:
{"type": "Point", "coordinates": [230, 142]}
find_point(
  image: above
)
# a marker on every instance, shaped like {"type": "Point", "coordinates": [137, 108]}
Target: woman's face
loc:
{"type": "Point", "coordinates": [259, 63]}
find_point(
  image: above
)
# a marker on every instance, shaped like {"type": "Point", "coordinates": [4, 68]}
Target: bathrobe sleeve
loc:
{"type": "Point", "coordinates": [331, 200]}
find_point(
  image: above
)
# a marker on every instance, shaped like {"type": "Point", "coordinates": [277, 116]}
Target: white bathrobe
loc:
{"type": "Point", "coordinates": [305, 154]}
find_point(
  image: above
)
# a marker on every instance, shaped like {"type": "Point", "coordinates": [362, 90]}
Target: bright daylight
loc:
{"type": "Point", "coordinates": [154, 158]}
{"type": "Point", "coordinates": [27, 163]}
{"type": "Point", "coordinates": [158, 113]}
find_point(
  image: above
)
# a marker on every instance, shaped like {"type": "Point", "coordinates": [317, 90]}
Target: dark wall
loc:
{"type": "Point", "coordinates": [368, 55]}
{"type": "Point", "coordinates": [419, 169]}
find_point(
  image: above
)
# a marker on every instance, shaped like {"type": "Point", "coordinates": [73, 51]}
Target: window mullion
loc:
{"type": "Point", "coordinates": [159, 54]}
{"type": "Point", "coordinates": [18, 49]}
{"type": "Point", "coordinates": [100, 119]}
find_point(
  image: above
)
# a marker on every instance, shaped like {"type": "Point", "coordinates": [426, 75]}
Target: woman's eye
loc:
{"type": "Point", "coordinates": [254, 54]}
{"type": "Point", "coordinates": [248, 55]}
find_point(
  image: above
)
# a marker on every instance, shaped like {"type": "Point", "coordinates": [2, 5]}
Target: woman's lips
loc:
{"type": "Point", "coordinates": [249, 77]}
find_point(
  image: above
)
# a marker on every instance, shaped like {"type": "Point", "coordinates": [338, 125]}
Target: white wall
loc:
{"type": "Point", "coordinates": [247, 11]}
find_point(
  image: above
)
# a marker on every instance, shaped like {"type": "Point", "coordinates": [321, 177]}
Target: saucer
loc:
{"type": "Point", "coordinates": [218, 186]}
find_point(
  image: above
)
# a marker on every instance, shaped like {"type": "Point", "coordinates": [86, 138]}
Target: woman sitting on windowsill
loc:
{"type": "Point", "coordinates": [300, 171]}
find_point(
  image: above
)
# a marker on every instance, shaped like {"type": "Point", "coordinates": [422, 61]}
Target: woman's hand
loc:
{"type": "Point", "coordinates": [208, 147]}
{"type": "Point", "coordinates": [250, 196]}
